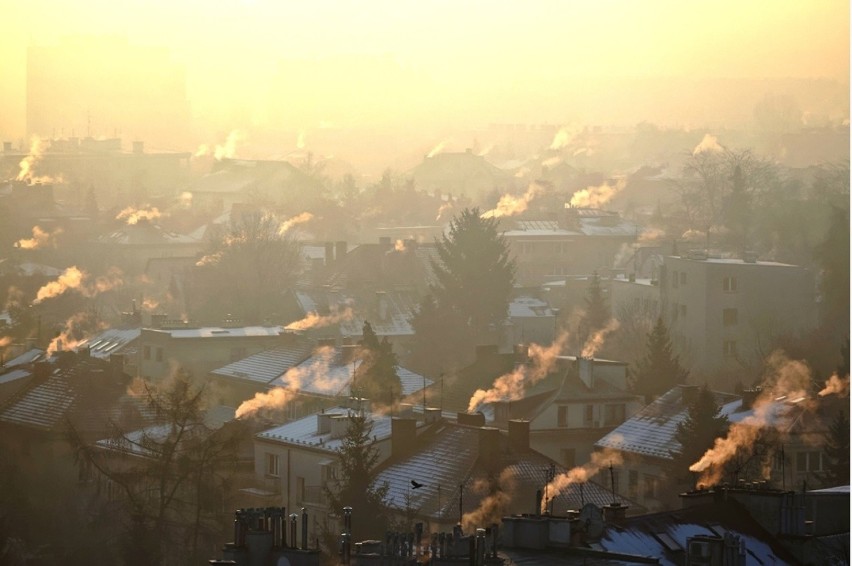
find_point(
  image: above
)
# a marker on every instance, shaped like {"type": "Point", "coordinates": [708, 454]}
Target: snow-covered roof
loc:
{"type": "Point", "coordinates": [220, 332]}
{"type": "Point", "coordinates": [268, 365]}
{"type": "Point", "coordinates": [111, 341]}
{"type": "Point", "coordinates": [529, 307]}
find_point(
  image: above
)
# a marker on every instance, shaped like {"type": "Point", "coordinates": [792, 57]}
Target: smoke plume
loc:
{"type": "Point", "coordinates": [708, 143]}
{"type": "Point", "coordinates": [28, 163]}
{"type": "Point", "coordinates": [581, 474]}
{"type": "Point", "coordinates": [71, 278]}
{"type": "Point", "coordinates": [74, 332]}
{"type": "Point", "coordinates": [314, 320]}
{"type": "Point", "coordinates": [323, 380]}
{"type": "Point", "coordinates": [510, 205]}
{"type": "Point", "coordinates": [298, 219]}
{"type": "Point", "coordinates": [784, 379]}
{"type": "Point", "coordinates": [399, 246]}
{"type": "Point", "coordinates": [226, 150]}
{"type": "Point", "coordinates": [444, 210]}
{"type": "Point", "coordinates": [495, 505]}
{"type": "Point", "coordinates": [511, 386]}
{"type": "Point", "coordinates": [595, 341]}
{"type": "Point", "coordinates": [185, 200]}
{"type": "Point", "coordinates": [593, 197]}
{"type": "Point", "coordinates": [564, 137]}
{"type": "Point", "coordinates": [132, 215]}
{"type": "Point", "coordinates": [835, 385]}
{"type": "Point", "coordinates": [436, 150]}
{"type": "Point", "coordinates": [300, 141]}
{"type": "Point", "coordinates": [40, 239]}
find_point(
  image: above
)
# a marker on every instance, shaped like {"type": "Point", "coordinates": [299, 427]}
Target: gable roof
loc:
{"type": "Point", "coordinates": [266, 366]}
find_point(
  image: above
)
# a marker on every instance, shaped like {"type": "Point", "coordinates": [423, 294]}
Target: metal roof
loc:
{"type": "Point", "coordinates": [110, 342]}
{"type": "Point", "coordinates": [14, 375]}
{"type": "Point", "coordinates": [530, 307]}
{"type": "Point", "coordinates": [220, 332]}
{"type": "Point", "coordinates": [268, 365]}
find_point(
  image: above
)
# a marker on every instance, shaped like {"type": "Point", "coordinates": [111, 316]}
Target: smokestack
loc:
{"type": "Point", "coordinates": [324, 423]}
{"type": "Point", "coordinates": [749, 397]}
{"type": "Point", "coordinates": [519, 435]}
{"type": "Point", "coordinates": [403, 435]}
{"type": "Point", "coordinates": [432, 415]}
{"type": "Point", "coordinates": [475, 419]}
{"type": "Point", "coordinates": [615, 513]}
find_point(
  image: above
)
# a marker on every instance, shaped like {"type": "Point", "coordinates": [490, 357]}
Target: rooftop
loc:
{"type": "Point", "coordinates": [220, 332]}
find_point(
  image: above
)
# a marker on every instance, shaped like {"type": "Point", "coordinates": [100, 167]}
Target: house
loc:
{"type": "Point", "coordinates": [530, 320]}
{"type": "Point", "coordinates": [200, 350]}
{"type": "Point", "coordinates": [721, 311]}
{"type": "Point", "coordinates": [578, 242]}
{"type": "Point", "coordinates": [453, 469]}
{"type": "Point", "coordinates": [133, 245]}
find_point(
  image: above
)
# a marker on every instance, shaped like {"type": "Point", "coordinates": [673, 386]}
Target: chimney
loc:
{"type": "Point", "coordinates": [339, 424]}
{"type": "Point", "coordinates": [339, 251]}
{"type": "Point", "coordinates": [324, 423]}
{"type": "Point", "coordinates": [586, 368]}
{"type": "Point", "coordinates": [749, 397]}
{"type": "Point", "coordinates": [432, 415]}
{"type": "Point", "coordinates": [475, 419]}
{"type": "Point", "coordinates": [522, 354]}
{"type": "Point", "coordinates": [406, 410]}
{"type": "Point", "coordinates": [489, 445]}
{"type": "Point", "coordinates": [403, 435]}
{"type": "Point", "coordinates": [570, 218]}
{"type": "Point", "coordinates": [138, 147]}
{"type": "Point", "coordinates": [615, 513]}
{"type": "Point", "coordinates": [519, 435]}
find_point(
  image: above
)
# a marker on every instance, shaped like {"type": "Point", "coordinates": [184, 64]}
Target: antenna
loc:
{"type": "Point", "coordinates": [612, 481]}
{"type": "Point", "coordinates": [783, 469]}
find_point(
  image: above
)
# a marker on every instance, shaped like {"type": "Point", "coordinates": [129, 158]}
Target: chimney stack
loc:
{"type": "Point", "coordinates": [475, 419]}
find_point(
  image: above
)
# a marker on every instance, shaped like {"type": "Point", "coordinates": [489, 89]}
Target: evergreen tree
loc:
{"type": "Point", "coordinates": [377, 377]}
{"type": "Point", "coordinates": [597, 309]}
{"type": "Point", "coordinates": [833, 257]}
{"type": "Point", "coordinates": [660, 369]}
{"type": "Point", "coordinates": [474, 279]}
{"type": "Point", "coordinates": [354, 486]}
{"type": "Point", "coordinates": [698, 431]}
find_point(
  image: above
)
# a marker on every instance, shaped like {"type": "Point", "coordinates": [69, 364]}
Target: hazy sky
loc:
{"type": "Point", "coordinates": [469, 54]}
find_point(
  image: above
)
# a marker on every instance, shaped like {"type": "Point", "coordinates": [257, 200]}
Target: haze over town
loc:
{"type": "Point", "coordinates": [487, 282]}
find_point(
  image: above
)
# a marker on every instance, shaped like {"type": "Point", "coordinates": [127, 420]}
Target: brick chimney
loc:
{"type": "Point", "coordinates": [475, 419]}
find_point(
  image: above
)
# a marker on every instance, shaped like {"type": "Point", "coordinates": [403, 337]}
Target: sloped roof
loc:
{"type": "Point", "coordinates": [268, 365]}
{"type": "Point", "coordinates": [530, 307]}
{"type": "Point", "coordinates": [111, 341]}
{"type": "Point", "coordinates": [448, 456]}
{"type": "Point", "coordinates": [304, 431]}
{"type": "Point", "coordinates": [144, 233]}
{"type": "Point", "coordinates": [27, 357]}
{"type": "Point", "coordinates": [590, 223]}
{"type": "Point", "coordinates": [651, 431]}
{"type": "Point", "coordinates": [398, 307]}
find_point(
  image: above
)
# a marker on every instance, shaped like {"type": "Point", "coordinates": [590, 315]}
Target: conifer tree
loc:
{"type": "Point", "coordinates": [377, 376]}
{"type": "Point", "coordinates": [660, 369]}
{"type": "Point", "coordinates": [698, 431]}
{"type": "Point", "coordinates": [597, 309]}
{"type": "Point", "coordinates": [836, 448]}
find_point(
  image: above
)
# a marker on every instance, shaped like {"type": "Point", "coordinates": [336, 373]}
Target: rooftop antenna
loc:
{"type": "Point", "coordinates": [461, 502]}
{"type": "Point", "coordinates": [442, 392]}
{"type": "Point", "coordinates": [783, 470]}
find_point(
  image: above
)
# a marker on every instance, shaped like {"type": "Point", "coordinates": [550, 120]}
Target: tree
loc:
{"type": "Point", "coordinates": [171, 475]}
{"type": "Point", "coordinates": [597, 313]}
{"type": "Point", "coordinates": [377, 377]}
{"type": "Point", "coordinates": [354, 486]}
{"type": "Point", "coordinates": [698, 431]}
{"type": "Point", "coordinates": [246, 270]}
{"type": "Point", "coordinates": [836, 448]}
{"type": "Point", "coordinates": [660, 369]}
{"type": "Point", "coordinates": [833, 257]}
{"type": "Point", "coordinates": [474, 278]}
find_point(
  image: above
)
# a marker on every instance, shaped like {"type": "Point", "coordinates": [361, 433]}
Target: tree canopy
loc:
{"type": "Point", "coordinates": [376, 377]}
{"type": "Point", "coordinates": [698, 431]}
{"type": "Point", "coordinates": [660, 369]}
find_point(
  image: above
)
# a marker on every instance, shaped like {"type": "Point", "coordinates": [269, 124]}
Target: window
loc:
{"type": "Point", "coordinates": [632, 483]}
{"type": "Point", "coordinates": [589, 415]}
{"type": "Point", "coordinates": [683, 277]}
{"type": "Point", "coordinates": [569, 457]}
{"type": "Point", "coordinates": [729, 348]}
{"type": "Point", "coordinates": [159, 354]}
{"type": "Point", "coordinates": [729, 284]}
{"type": "Point", "coordinates": [272, 465]}
{"type": "Point", "coordinates": [613, 414]}
{"type": "Point", "coordinates": [562, 416]}
{"type": "Point", "coordinates": [809, 462]}
{"type": "Point", "coordinates": [675, 280]}
{"type": "Point", "coordinates": [146, 352]}
{"type": "Point", "coordinates": [729, 317]}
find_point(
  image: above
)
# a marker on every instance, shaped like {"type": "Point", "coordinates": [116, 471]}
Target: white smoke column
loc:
{"type": "Point", "coordinates": [229, 149]}
{"type": "Point", "coordinates": [581, 474]}
{"type": "Point", "coordinates": [835, 385]}
{"type": "Point", "coordinates": [551, 161]}
{"type": "Point", "coordinates": [708, 143]}
{"type": "Point", "coordinates": [399, 246]}
{"type": "Point", "coordinates": [71, 278]}
{"type": "Point", "coordinates": [510, 205]}
{"type": "Point", "coordinates": [298, 219]}
{"type": "Point", "coordinates": [593, 197]}
{"type": "Point", "coordinates": [132, 215]}
{"type": "Point", "coordinates": [784, 378]}
{"type": "Point", "coordinates": [202, 150]}
{"type": "Point", "coordinates": [595, 341]}
{"type": "Point", "coordinates": [436, 150]}
{"type": "Point", "coordinates": [314, 320]}
{"type": "Point", "coordinates": [27, 164]}
{"type": "Point", "coordinates": [511, 386]}
{"type": "Point", "coordinates": [278, 397]}
{"type": "Point", "coordinates": [564, 137]}
{"type": "Point", "coordinates": [443, 211]}
{"type": "Point", "coordinates": [495, 505]}
{"type": "Point", "coordinates": [300, 141]}
{"type": "Point", "coordinates": [40, 239]}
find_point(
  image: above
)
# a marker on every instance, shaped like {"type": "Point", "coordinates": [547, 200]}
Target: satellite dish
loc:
{"type": "Point", "coordinates": [591, 518]}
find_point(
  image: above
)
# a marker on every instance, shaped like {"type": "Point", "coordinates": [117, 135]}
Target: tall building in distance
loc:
{"type": "Point", "coordinates": [106, 87]}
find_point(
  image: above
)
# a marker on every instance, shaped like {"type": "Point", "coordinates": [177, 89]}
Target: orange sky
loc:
{"type": "Point", "coordinates": [448, 58]}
